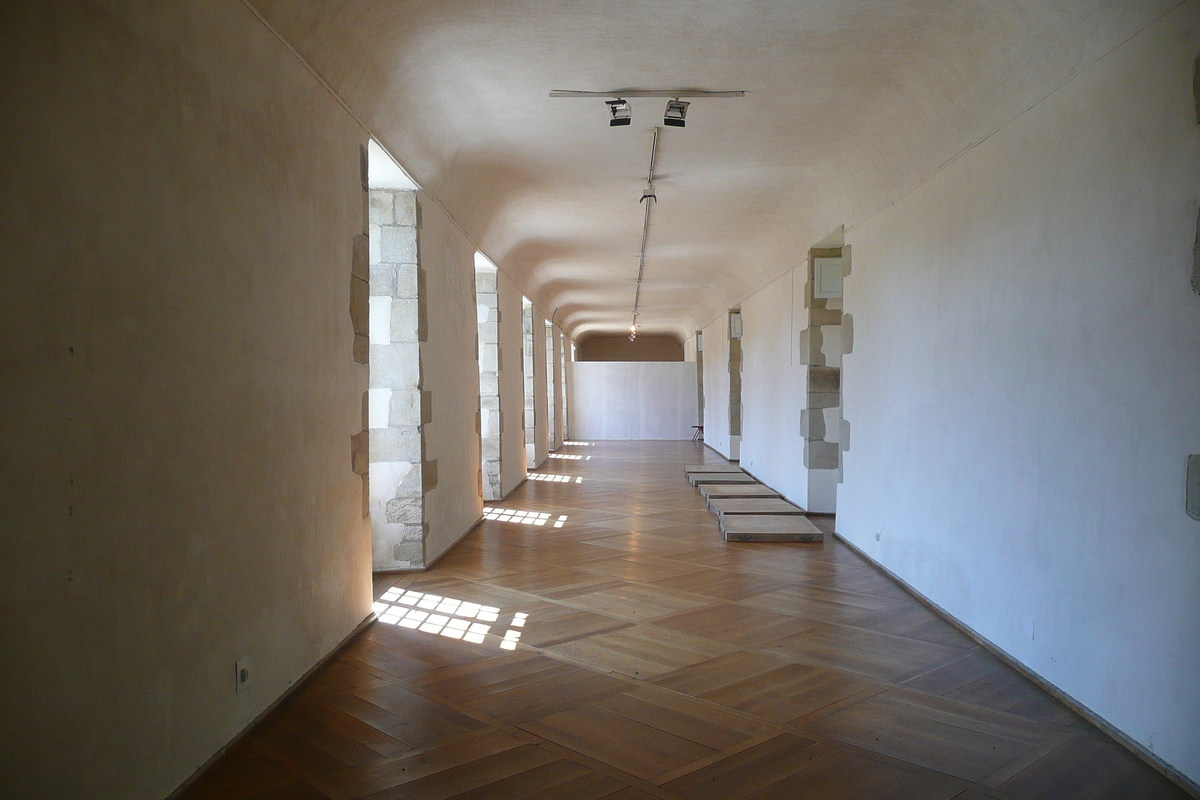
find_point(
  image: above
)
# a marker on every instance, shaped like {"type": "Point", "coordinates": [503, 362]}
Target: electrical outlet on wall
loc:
{"type": "Point", "coordinates": [243, 670]}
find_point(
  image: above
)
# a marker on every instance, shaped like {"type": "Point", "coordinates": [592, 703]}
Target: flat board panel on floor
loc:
{"type": "Point", "coordinates": [697, 478]}
{"type": "Point", "coordinates": [752, 505]}
{"type": "Point", "coordinates": [769, 528]}
{"type": "Point", "coordinates": [712, 468]}
{"type": "Point", "coordinates": [711, 490]}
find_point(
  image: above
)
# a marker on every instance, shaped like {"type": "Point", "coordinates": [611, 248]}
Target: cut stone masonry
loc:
{"type": "Point", "coordinates": [821, 351]}
{"type": "Point", "coordinates": [399, 409]}
{"type": "Point", "coordinates": [488, 318]}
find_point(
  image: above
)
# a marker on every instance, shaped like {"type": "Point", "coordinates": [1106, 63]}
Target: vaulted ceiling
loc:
{"type": "Point", "coordinates": [851, 104]}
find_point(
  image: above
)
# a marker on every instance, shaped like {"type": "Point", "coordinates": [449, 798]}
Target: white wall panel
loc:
{"type": "Point", "coordinates": [1023, 389]}
{"type": "Point", "coordinates": [633, 400]}
{"type": "Point", "coordinates": [773, 386]}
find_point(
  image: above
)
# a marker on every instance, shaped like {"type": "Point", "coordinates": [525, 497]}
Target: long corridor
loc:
{"type": "Point", "coordinates": [595, 638]}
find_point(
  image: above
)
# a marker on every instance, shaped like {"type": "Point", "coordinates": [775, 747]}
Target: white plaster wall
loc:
{"type": "Point", "coordinates": [1024, 388]}
{"type": "Point", "coordinates": [512, 387]}
{"type": "Point", "coordinates": [450, 373]}
{"type": "Point", "coordinates": [773, 386]}
{"type": "Point", "coordinates": [179, 388]}
{"type": "Point", "coordinates": [716, 386]}
{"type": "Point", "coordinates": [634, 399]}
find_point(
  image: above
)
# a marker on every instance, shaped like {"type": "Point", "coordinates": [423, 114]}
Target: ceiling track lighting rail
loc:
{"type": "Point", "coordinates": [621, 113]}
{"type": "Point", "coordinates": [672, 93]}
{"type": "Point", "coordinates": [647, 193]}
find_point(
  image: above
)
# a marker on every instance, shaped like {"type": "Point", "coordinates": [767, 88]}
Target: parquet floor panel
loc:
{"type": "Point", "coordinates": [620, 650]}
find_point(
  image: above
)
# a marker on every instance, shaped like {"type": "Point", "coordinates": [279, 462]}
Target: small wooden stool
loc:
{"type": "Point", "coordinates": [699, 434]}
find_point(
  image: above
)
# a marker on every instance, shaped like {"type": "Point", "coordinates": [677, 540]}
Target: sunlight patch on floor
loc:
{"type": "Point", "coordinates": [446, 616]}
{"type": "Point", "coordinates": [552, 478]}
{"type": "Point", "coordinates": [538, 518]}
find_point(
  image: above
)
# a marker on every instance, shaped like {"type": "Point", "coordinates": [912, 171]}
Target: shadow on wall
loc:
{"type": "Point", "coordinates": [619, 348]}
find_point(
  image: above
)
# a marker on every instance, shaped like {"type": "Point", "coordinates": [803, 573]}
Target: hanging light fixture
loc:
{"type": "Point", "coordinates": [619, 112]}
{"type": "Point", "coordinates": [675, 113]}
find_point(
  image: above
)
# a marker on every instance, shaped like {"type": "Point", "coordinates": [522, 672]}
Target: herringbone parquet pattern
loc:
{"type": "Point", "coordinates": [597, 639]}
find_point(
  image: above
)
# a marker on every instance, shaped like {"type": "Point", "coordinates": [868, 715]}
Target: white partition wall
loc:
{"type": "Point", "coordinates": [633, 399]}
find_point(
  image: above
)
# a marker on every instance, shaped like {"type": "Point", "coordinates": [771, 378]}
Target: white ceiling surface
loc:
{"type": "Point", "coordinates": [851, 104]}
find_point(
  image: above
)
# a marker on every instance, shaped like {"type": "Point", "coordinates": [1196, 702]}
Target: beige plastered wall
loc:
{"type": "Point", "coordinates": [179, 392]}
{"type": "Point", "coordinates": [1024, 389]}
{"type": "Point", "coordinates": [450, 373]}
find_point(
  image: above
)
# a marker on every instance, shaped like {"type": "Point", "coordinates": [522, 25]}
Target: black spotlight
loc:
{"type": "Point", "coordinates": [675, 113]}
{"type": "Point", "coordinates": [619, 111]}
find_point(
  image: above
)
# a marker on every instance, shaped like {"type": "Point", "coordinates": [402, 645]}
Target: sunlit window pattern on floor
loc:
{"type": "Point", "coordinates": [431, 613]}
{"type": "Point", "coordinates": [569, 457]}
{"type": "Point", "coordinates": [580, 444]}
{"type": "Point", "coordinates": [539, 518]}
{"type": "Point", "coordinates": [552, 478]}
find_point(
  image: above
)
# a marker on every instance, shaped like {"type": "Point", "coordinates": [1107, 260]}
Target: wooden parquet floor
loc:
{"type": "Point", "coordinates": [597, 639]}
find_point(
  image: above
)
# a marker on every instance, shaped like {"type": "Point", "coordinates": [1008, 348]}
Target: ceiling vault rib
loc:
{"type": "Point", "coordinates": [647, 194]}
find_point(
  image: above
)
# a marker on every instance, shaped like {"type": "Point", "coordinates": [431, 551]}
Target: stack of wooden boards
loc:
{"type": "Point", "coordinates": [748, 511]}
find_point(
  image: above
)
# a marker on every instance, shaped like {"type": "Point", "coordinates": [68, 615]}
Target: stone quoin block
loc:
{"type": "Point", "coordinates": [490, 448]}
{"type": "Point", "coordinates": [360, 305]}
{"type": "Point", "coordinates": [824, 379]}
{"type": "Point", "coordinates": [360, 257]}
{"type": "Point", "coordinates": [485, 283]}
{"type": "Point", "coordinates": [409, 553]}
{"type": "Point", "coordinates": [383, 280]}
{"type": "Point", "coordinates": [396, 444]}
{"type": "Point", "coordinates": [404, 409]}
{"type": "Point", "coordinates": [406, 317]}
{"type": "Point", "coordinates": [825, 316]}
{"type": "Point", "coordinates": [398, 245]}
{"type": "Point", "coordinates": [824, 399]}
{"type": "Point", "coordinates": [395, 366]}
{"type": "Point", "coordinates": [382, 210]}
{"type": "Point", "coordinates": [489, 333]}
{"type": "Point", "coordinates": [407, 510]}
{"type": "Point", "coordinates": [360, 452]}
{"type": "Point", "coordinates": [812, 425]}
{"type": "Point", "coordinates": [407, 282]}
{"type": "Point", "coordinates": [406, 210]}
{"type": "Point", "coordinates": [821, 455]}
